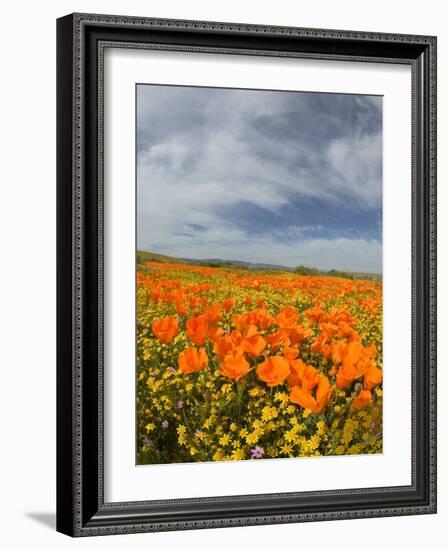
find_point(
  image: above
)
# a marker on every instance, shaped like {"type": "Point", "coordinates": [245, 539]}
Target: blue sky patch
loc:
{"type": "Point", "coordinates": [289, 178]}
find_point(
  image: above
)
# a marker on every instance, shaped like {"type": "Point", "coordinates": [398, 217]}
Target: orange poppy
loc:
{"type": "Point", "coordinates": [290, 353]}
{"type": "Point", "coordinates": [235, 366]}
{"type": "Point", "coordinates": [362, 400]}
{"type": "Point", "coordinates": [264, 319]}
{"type": "Point", "coordinates": [260, 318]}
{"type": "Point", "coordinates": [356, 361]}
{"type": "Point", "coordinates": [197, 329]}
{"type": "Point", "coordinates": [227, 304]}
{"type": "Point", "coordinates": [180, 308]}
{"type": "Point", "coordinates": [294, 377]}
{"type": "Point", "coordinates": [315, 314]}
{"type": "Point", "coordinates": [165, 329]}
{"type": "Point", "coordinates": [241, 322]}
{"type": "Point", "coordinates": [322, 345]}
{"type": "Point", "coordinates": [372, 377]}
{"type": "Point", "coordinates": [347, 331]}
{"type": "Point", "coordinates": [277, 339]}
{"type": "Point", "coordinates": [192, 360]}
{"type": "Point", "coordinates": [303, 397]}
{"type": "Point", "coordinates": [298, 333]}
{"type": "Point", "coordinates": [329, 329]}
{"type": "Point", "coordinates": [213, 314]}
{"type": "Point", "coordinates": [215, 333]}
{"type": "Point", "coordinates": [195, 301]}
{"type": "Point", "coordinates": [308, 375]}
{"type": "Point", "coordinates": [337, 349]}
{"type": "Point", "coordinates": [338, 316]}
{"type": "Point", "coordinates": [274, 370]}
{"type": "Point", "coordinates": [227, 343]}
{"type": "Point", "coordinates": [302, 375]}
{"type": "Point", "coordinates": [253, 343]}
{"type": "Point", "coordinates": [287, 317]}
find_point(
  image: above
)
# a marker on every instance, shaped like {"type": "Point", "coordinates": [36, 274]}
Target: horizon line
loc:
{"type": "Point", "coordinates": [209, 259]}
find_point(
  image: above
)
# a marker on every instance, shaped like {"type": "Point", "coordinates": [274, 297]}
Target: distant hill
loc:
{"type": "Point", "coordinates": [144, 256]}
{"type": "Point", "coordinates": [237, 263]}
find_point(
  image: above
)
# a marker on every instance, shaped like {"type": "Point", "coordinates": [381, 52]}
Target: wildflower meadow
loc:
{"type": "Point", "coordinates": [236, 364]}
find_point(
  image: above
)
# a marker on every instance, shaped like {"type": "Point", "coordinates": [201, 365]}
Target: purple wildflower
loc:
{"type": "Point", "coordinates": [197, 432]}
{"type": "Point", "coordinates": [180, 404]}
{"type": "Point", "coordinates": [146, 442]}
{"type": "Point", "coordinates": [257, 452]}
{"type": "Point", "coordinates": [165, 424]}
{"type": "Point", "coordinates": [171, 370]}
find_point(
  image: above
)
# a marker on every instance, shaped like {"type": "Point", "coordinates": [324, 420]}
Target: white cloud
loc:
{"type": "Point", "coordinates": [201, 154]}
{"type": "Point", "coordinates": [284, 248]}
{"type": "Point", "coordinates": [356, 164]}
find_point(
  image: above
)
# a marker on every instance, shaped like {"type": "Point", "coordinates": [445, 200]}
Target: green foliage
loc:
{"type": "Point", "coordinates": [343, 274]}
{"type": "Point", "coordinates": [313, 271]}
{"type": "Point", "coordinates": [302, 270]}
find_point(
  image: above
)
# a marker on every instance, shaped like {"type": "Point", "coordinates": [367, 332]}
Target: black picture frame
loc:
{"type": "Point", "coordinates": [81, 510]}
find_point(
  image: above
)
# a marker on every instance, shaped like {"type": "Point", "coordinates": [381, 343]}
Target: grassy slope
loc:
{"type": "Point", "coordinates": [144, 256]}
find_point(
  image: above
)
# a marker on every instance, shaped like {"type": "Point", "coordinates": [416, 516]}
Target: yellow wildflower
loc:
{"type": "Point", "coordinates": [224, 440]}
{"type": "Point", "coordinates": [219, 455]}
{"type": "Point", "coordinates": [237, 454]}
{"type": "Point", "coordinates": [287, 449]}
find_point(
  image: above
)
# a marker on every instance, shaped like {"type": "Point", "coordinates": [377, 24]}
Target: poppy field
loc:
{"type": "Point", "coordinates": [236, 364]}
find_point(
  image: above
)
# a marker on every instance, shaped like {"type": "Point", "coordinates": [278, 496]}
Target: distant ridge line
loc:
{"type": "Point", "coordinates": [146, 255]}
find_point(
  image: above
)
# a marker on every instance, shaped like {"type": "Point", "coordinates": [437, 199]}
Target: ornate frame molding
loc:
{"type": "Point", "coordinates": [82, 511]}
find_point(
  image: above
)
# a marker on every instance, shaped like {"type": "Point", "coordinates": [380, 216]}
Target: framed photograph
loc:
{"type": "Point", "coordinates": [246, 274]}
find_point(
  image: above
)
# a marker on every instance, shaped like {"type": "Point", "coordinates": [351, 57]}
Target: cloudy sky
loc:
{"type": "Point", "coordinates": [289, 178]}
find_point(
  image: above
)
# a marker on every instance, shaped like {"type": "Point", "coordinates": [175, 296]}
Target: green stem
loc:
{"type": "Point", "coordinates": [186, 422]}
{"type": "Point", "coordinates": [239, 395]}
